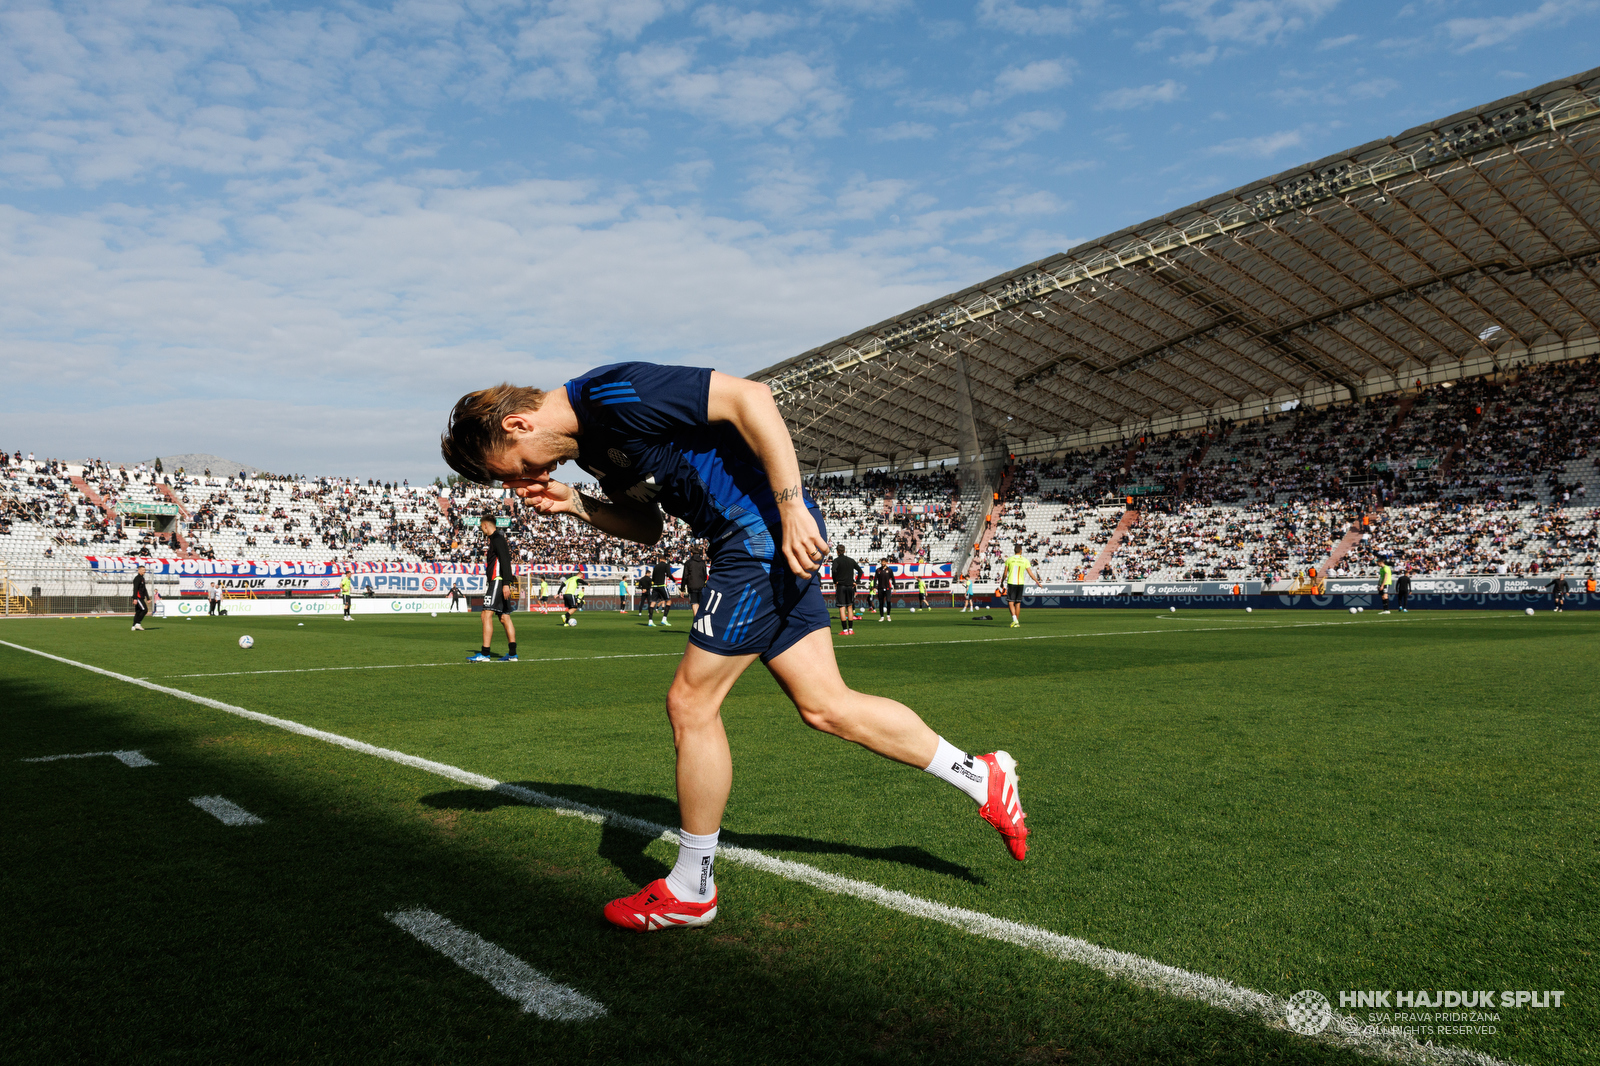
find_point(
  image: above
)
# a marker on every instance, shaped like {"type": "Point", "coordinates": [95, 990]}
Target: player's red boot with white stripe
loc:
{"type": "Point", "coordinates": [1004, 807]}
{"type": "Point", "coordinates": [655, 907]}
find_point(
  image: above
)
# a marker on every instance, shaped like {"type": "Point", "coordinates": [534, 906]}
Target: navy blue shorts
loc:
{"type": "Point", "coordinates": [751, 609]}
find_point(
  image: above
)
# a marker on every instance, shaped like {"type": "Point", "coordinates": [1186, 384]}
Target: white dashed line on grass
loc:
{"type": "Point", "coordinates": [1270, 1010]}
{"type": "Point", "coordinates": [509, 975]}
{"type": "Point", "coordinates": [226, 811]}
{"type": "Point", "coordinates": [126, 758]}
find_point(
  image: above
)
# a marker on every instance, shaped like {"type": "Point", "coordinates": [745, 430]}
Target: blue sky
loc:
{"type": "Point", "coordinates": [292, 234]}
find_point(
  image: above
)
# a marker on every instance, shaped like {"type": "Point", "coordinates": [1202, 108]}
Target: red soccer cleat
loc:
{"type": "Point", "coordinates": [655, 907]}
{"type": "Point", "coordinates": [1004, 809]}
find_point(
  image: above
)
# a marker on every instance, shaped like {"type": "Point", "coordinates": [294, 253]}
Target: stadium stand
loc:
{"type": "Point", "coordinates": [1492, 475]}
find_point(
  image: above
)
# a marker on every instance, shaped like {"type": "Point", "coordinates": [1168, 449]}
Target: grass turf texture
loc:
{"type": "Point", "coordinates": [1402, 802]}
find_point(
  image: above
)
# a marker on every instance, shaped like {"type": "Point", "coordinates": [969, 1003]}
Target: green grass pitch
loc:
{"type": "Point", "coordinates": [1286, 800]}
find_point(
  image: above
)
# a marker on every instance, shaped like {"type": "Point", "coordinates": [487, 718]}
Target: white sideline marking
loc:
{"type": "Point", "coordinates": [127, 758]}
{"type": "Point", "coordinates": [509, 975]}
{"type": "Point", "coordinates": [836, 647]}
{"type": "Point", "coordinates": [1263, 1007]}
{"type": "Point", "coordinates": [410, 666]}
{"type": "Point", "coordinates": [226, 811]}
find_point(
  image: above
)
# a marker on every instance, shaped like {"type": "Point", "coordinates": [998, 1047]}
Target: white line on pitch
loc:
{"type": "Point", "coordinates": [410, 666]}
{"type": "Point", "coordinates": [127, 758]}
{"type": "Point", "coordinates": [1263, 1007]}
{"type": "Point", "coordinates": [226, 811]}
{"type": "Point", "coordinates": [837, 647]}
{"type": "Point", "coordinates": [509, 975]}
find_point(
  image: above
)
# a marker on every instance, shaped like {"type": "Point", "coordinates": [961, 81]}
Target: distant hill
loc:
{"type": "Point", "coordinates": [196, 465]}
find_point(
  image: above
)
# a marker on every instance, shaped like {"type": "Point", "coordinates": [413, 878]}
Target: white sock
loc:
{"type": "Point", "coordinates": [967, 772]}
{"type": "Point", "coordinates": [693, 880]}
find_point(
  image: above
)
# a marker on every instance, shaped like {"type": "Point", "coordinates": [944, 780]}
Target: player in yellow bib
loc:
{"type": "Point", "coordinates": [569, 599]}
{"type": "Point", "coordinates": [344, 595]}
{"type": "Point", "coordinates": [1018, 566]}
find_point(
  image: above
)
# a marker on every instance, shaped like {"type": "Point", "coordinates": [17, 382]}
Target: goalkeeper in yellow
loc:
{"type": "Point", "coordinates": [1017, 567]}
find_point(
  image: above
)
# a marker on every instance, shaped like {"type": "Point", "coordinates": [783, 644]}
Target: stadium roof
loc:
{"type": "Point", "coordinates": [1368, 264]}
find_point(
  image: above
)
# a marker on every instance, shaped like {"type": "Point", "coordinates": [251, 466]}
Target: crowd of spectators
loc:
{"type": "Point", "coordinates": [1486, 475]}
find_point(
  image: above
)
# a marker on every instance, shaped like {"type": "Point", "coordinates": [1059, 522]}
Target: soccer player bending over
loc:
{"type": "Point", "coordinates": [712, 450]}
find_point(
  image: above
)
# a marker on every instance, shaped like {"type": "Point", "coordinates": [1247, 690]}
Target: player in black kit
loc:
{"type": "Point", "coordinates": [846, 571]}
{"type": "Point", "coordinates": [497, 573]}
{"type": "Point", "coordinates": [660, 574]}
{"type": "Point", "coordinates": [141, 599]}
{"type": "Point", "coordinates": [694, 577]}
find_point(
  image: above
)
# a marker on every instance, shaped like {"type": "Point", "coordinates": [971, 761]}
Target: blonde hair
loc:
{"type": "Point", "coordinates": [476, 426]}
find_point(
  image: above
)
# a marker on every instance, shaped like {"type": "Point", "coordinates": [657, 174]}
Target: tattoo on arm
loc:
{"type": "Point", "coordinates": [581, 504]}
{"type": "Point", "coordinates": [785, 495]}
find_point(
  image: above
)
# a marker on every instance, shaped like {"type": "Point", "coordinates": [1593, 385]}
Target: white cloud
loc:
{"type": "Point", "coordinates": [1023, 127]}
{"type": "Point", "coordinates": [904, 131]}
{"type": "Point", "coordinates": [864, 8]}
{"type": "Point", "coordinates": [864, 199]}
{"type": "Point", "coordinates": [1262, 147]}
{"type": "Point", "coordinates": [742, 27]}
{"type": "Point", "coordinates": [1249, 21]}
{"type": "Point", "coordinates": [1164, 92]}
{"type": "Point", "coordinates": [1469, 34]}
{"type": "Point", "coordinates": [751, 92]}
{"type": "Point", "coordinates": [1013, 17]}
{"type": "Point", "coordinates": [1337, 42]}
{"type": "Point", "coordinates": [1193, 59]}
{"type": "Point", "coordinates": [1034, 77]}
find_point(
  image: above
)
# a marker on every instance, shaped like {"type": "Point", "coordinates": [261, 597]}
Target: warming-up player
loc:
{"type": "Point", "coordinates": [846, 572]}
{"type": "Point", "coordinates": [1018, 566]}
{"type": "Point", "coordinates": [660, 574]}
{"type": "Point", "coordinates": [497, 575]}
{"type": "Point", "coordinates": [712, 450]}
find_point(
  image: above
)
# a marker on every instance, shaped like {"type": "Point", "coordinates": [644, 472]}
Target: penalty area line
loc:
{"type": "Point", "coordinates": [1344, 1031]}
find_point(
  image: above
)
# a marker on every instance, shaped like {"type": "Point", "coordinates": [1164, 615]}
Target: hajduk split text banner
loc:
{"type": "Point", "coordinates": [281, 577]}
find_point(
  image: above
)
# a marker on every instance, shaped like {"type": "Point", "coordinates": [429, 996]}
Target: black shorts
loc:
{"type": "Point", "coordinates": [1013, 593]}
{"type": "Point", "coordinates": [495, 599]}
{"type": "Point", "coordinates": [694, 593]}
{"type": "Point", "coordinates": [658, 592]}
{"type": "Point", "coordinates": [569, 601]}
{"type": "Point", "coordinates": [346, 600]}
{"type": "Point", "coordinates": [844, 596]}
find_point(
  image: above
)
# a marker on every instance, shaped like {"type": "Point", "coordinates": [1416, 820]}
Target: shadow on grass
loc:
{"type": "Point", "coordinates": [624, 848]}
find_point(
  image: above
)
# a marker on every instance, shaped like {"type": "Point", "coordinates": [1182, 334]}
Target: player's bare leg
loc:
{"type": "Point", "coordinates": [488, 627]}
{"type": "Point", "coordinates": [809, 674]}
{"type": "Point", "coordinates": [687, 896]}
{"type": "Point", "coordinates": [694, 707]}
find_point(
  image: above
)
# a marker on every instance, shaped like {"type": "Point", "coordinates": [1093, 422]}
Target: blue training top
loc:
{"type": "Point", "coordinates": [646, 438]}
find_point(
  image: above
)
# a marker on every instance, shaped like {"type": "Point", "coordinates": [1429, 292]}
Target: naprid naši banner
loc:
{"type": "Point", "coordinates": [418, 584]}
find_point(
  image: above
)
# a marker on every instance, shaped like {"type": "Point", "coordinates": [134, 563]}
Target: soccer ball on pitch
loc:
{"type": "Point", "coordinates": [434, 614]}
{"type": "Point", "coordinates": [1530, 612]}
{"type": "Point", "coordinates": [1172, 610]}
{"type": "Point", "coordinates": [1249, 610]}
{"type": "Point", "coordinates": [1352, 610]}
{"type": "Point", "coordinates": [247, 641]}
{"type": "Point", "coordinates": [572, 621]}
{"type": "Point", "coordinates": [1361, 610]}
